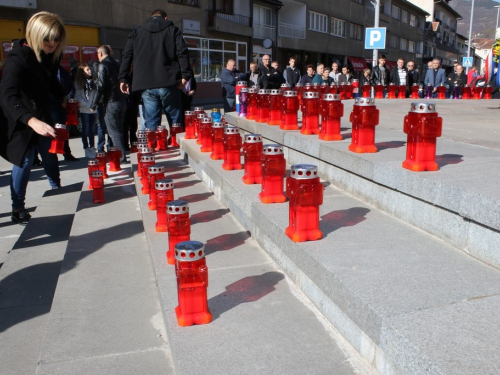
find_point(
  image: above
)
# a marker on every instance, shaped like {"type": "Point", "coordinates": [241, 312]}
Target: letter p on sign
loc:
{"type": "Point", "coordinates": [375, 38]}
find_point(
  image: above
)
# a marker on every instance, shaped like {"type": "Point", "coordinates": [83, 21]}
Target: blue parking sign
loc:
{"type": "Point", "coordinates": [467, 62]}
{"type": "Point", "coordinates": [375, 38]}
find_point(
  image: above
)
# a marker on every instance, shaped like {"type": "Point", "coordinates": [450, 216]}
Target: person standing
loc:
{"type": "Point", "coordinates": [471, 74]}
{"type": "Point", "coordinates": [346, 76]}
{"type": "Point", "coordinates": [399, 75]}
{"type": "Point", "coordinates": [435, 76]}
{"type": "Point", "coordinates": [380, 73]}
{"type": "Point", "coordinates": [335, 73]}
{"type": "Point", "coordinates": [280, 79]}
{"type": "Point", "coordinates": [326, 76]}
{"type": "Point", "coordinates": [159, 56]}
{"type": "Point", "coordinates": [457, 77]}
{"type": "Point", "coordinates": [318, 77]}
{"type": "Point", "coordinates": [85, 90]}
{"type": "Point", "coordinates": [308, 78]}
{"type": "Point", "coordinates": [253, 75]}
{"type": "Point", "coordinates": [425, 69]}
{"type": "Point", "coordinates": [28, 79]}
{"type": "Point", "coordinates": [413, 74]}
{"type": "Point", "coordinates": [292, 73]}
{"type": "Point", "coordinates": [60, 116]}
{"type": "Point", "coordinates": [229, 76]}
{"type": "Point", "coordinates": [270, 78]}
{"type": "Point", "coordinates": [108, 88]}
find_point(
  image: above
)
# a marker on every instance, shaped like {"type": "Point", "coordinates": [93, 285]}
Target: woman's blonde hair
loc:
{"type": "Point", "coordinates": [45, 25]}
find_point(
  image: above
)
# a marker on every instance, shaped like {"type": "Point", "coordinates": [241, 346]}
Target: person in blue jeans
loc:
{"type": "Point", "coordinates": [85, 89]}
{"type": "Point", "coordinates": [30, 76]}
{"type": "Point", "coordinates": [155, 62]}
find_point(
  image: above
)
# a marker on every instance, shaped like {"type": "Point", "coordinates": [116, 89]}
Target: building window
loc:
{"type": "Point", "coordinates": [318, 22]}
{"type": "Point", "coordinates": [262, 16]}
{"type": "Point", "coordinates": [396, 12]}
{"type": "Point", "coordinates": [411, 46]}
{"type": "Point", "coordinates": [209, 56]}
{"type": "Point", "coordinates": [338, 27]}
{"type": "Point", "coordinates": [355, 31]}
{"type": "Point", "coordinates": [413, 20]}
{"type": "Point", "coordinates": [404, 16]}
{"type": "Point", "coordinates": [185, 2]}
{"type": "Point", "coordinates": [403, 44]}
{"type": "Point", "coordinates": [394, 42]}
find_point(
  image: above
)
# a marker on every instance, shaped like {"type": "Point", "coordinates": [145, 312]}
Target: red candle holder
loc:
{"type": "Point", "coordinates": [391, 91]}
{"type": "Point", "coordinates": [348, 90]}
{"type": "Point", "coordinates": [334, 89]}
{"type": "Point", "coordinates": [415, 88]}
{"type": "Point", "coordinates": [155, 172]}
{"type": "Point", "coordinates": [355, 88]}
{"type": "Point", "coordinates": [57, 144]}
{"type": "Point", "coordinates": [161, 138]}
{"type": "Point", "coordinates": [252, 154]}
{"type": "Point", "coordinates": [441, 91]}
{"type": "Point", "coordinates": [284, 87]}
{"type": "Point", "coordinates": [316, 87]}
{"type": "Point", "coordinates": [133, 147]}
{"type": "Point", "coordinates": [151, 136]}
{"type": "Point", "coordinates": [342, 91]}
{"type": "Point", "coordinates": [305, 195]}
{"type": "Point", "coordinates": [164, 194]}
{"type": "Point", "coordinates": [232, 147]}
{"type": "Point", "coordinates": [243, 108]}
{"type": "Point", "coordinates": [263, 106]}
{"type": "Point", "coordinates": [401, 91]}
{"type": "Point", "coordinates": [366, 89]}
{"type": "Point", "coordinates": [98, 186]}
{"type": "Point", "coordinates": [364, 118]}
{"type": "Point", "coordinates": [146, 161]}
{"type": "Point", "coordinates": [273, 173]}
{"type": "Point", "coordinates": [179, 226]}
{"type": "Point", "coordinates": [72, 112]}
{"type": "Point", "coordinates": [197, 126]}
{"type": "Point", "coordinates": [275, 98]}
{"type": "Point", "coordinates": [142, 150]}
{"type": "Point", "coordinates": [332, 110]}
{"type": "Point", "coordinates": [176, 129]}
{"type": "Point", "coordinates": [289, 112]}
{"type": "Point", "coordinates": [310, 113]}
{"type": "Point", "coordinates": [379, 91]}
{"type": "Point", "coordinates": [252, 105]}
{"type": "Point", "coordinates": [217, 141]}
{"type": "Point", "coordinates": [197, 111]}
{"type": "Point", "coordinates": [114, 156]}
{"type": "Point", "coordinates": [466, 92]}
{"type": "Point", "coordinates": [239, 86]}
{"type": "Point", "coordinates": [206, 134]}
{"type": "Point", "coordinates": [103, 160]}
{"type": "Point", "coordinates": [488, 90]}
{"type": "Point", "coordinates": [422, 126]}
{"type": "Point", "coordinates": [324, 89]}
{"type": "Point", "coordinates": [192, 283]}
{"type": "Point", "coordinates": [189, 124]}
{"type": "Point", "coordinates": [299, 87]}
{"type": "Point", "coordinates": [92, 166]}
{"type": "Point", "coordinates": [141, 133]}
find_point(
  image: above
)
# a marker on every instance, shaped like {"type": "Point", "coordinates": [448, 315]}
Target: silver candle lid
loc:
{"type": "Point", "coordinates": [188, 113]}
{"type": "Point", "coordinates": [231, 130]}
{"type": "Point", "coordinates": [201, 115]}
{"type": "Point", "coordinates": [275, 92]}
{"type": "Point", "coordinates": [253, 90]}
{"type": "Point", "coordinates": [264, 92]}
{"type": "Point", "coordinates": [93, 162]}
{"type": "Point", "coordinates": [241, 83]}
{"type": "Point", "coordinates": [331, 97]}
{"type": "Point", "coordinates": [290, 94]}
{"type": "Point", "coordinates": [364, 102]}
{"type": "Point", "coordinates": [310, 95]}
{"type": "Point", "coordinates": [423, 108]}
{"type": "Point", "coordinates": [304, 171]}
{"type": "Point", "coordinates": [206, 120]}
{"type": "Point", "coordinates": [145, 150]}
{"type": "Point", "coordinates": [253, 138]}
{"type": "Point", "coordinates": [146, 158]}
{"type": "Point", "coordinates": [60, 126]}
{"type": "Point", "coordinates": [177, 207]}
{"type": "Point", "coordinates": [112, 149]}
{"type": "Point", "coordinates": [164, 184]}
{"type": "Point", "coordinates": [156, 169]}
{"type": "Point", "coordinates": [272, 149]}
{"type": "Point", "coordinates": [196, 109]}
{"type": "Point", "coordinates": [176, 125]}
{"type": "Point", "coordinates": [100, 154]}
{"type": "Point", "coordinates": [189, 251]}
{"type": "Point", "coordinates": [96, 174]}
{"type": "Point", "coordinates": [218, 125]}
{"type": "Point", "coordinates": [244, 89]}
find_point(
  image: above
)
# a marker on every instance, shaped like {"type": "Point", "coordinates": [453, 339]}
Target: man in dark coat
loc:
{"type": "Point", "coordinates": [229, 76]}
{"type": "Point", "coordinates": [380, 73]}
{"type": "Point", "coordinates": [270, 78]}
{"type": "Point", "coordinates": [399, 75]}
{"type": "Point", "coordinates": [292, 73]}
{"type": "Point", "coordinates": [159, 55]}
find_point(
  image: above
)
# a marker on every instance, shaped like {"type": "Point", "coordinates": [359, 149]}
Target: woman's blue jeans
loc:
{"type": "Point", "coordinates": [89, 121]}
{"type": "Point", "coordinates": [20, 175]}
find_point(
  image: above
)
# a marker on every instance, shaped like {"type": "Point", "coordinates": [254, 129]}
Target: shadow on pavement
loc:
{"type": "Point", "coordinates": [193, 198]}
{"type": "Point", "coordinates": [248, 289]}
{"type": "Point", "coordinates": [207, 216]}
{"type": "Point", "coordinates": [447, 159]}
{"type": "Point", "coordinates": [342, 218]}
{"type": "Point", "coordinates": [44, 231]}
{"type": "Point", "coordinates": [225, 242]}
{"type": "Point", "coordinates": [391, 144]}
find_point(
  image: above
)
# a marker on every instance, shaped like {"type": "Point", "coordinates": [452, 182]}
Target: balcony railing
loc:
{"type": "Point", "coordinates": [263, 32]}
{"type": "Point", "coordinates": [291, 31]}
{"type": "Point", "coordinates": [242, 20]}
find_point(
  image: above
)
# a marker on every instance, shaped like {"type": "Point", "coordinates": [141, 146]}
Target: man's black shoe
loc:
{"type": "Point", "coordinates": [70, 158]}
{"type": "Point", "coordinates": [21, 216]}
{"type": "Point", "coordinates": [37, 162]}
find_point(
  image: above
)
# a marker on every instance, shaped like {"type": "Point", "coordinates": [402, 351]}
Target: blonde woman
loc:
{"type": "Point", "coordinates": [28, 83]}
{"type": "Point", "coordinates": [85, 90]}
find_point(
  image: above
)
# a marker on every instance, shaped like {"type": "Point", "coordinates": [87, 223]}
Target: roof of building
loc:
{"type": "Point", "coordinates": [483, 43]}
{"type": "Point", "coordinates": [446, 6]}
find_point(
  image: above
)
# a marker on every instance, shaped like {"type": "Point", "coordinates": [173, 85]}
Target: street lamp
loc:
{"type": "Point", "coordinates": [470, 32]}
{"type": "Point", "coordinates": [498, 13]}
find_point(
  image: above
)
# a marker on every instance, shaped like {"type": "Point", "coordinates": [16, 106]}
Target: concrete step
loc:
{"type": "Point", "coordinates": [460, 203]}
{"type": "Point", "coordinates": [408, 302]}
{"type": "Point", "coordinates": [261, 322]}
{"type": "Point", "coordinates": [105, 316]}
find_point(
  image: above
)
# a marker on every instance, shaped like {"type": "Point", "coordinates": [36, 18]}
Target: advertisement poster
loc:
{"type": "Point", "coordinates": [89, 54]}
{"type": "Point", "coordinates": [71, 55]}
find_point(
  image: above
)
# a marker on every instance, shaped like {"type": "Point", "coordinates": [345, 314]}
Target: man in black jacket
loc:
{"type": "Point", "coordinates": [380, 73]}
{"type": "Point", "coordinates": [161, 68]}
{"type": "Point", "coordinates": [270, 78]}
{"type": "Point", "coordinates": [108, 88]}
{"type": "Point", "coordinates": [229, 76]}
{"type": "Point", "coordinates": [292, 73]}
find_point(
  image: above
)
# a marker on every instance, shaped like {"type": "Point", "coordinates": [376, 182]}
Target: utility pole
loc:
{"type": "Point", "coordinates": [470, 33]}
{"type": "Point", "coordinates": [376, 4]}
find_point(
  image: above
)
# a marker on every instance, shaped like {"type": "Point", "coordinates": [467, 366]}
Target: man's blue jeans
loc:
{"type": "Point", "coordinates": [21, 175]}
{"type": "Point", "coordinates": [101, 129]}
{"type": "Point", "coordinates": [167, 99]}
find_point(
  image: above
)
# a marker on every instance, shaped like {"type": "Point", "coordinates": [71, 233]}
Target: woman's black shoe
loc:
{"type": "Point", "coordinates": [21, 216]}
{"type": "Point", "coordinates": [37, 162]}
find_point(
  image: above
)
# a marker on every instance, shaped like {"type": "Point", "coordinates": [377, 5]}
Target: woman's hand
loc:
{"type": "Point", "coordinates": [41, 127]}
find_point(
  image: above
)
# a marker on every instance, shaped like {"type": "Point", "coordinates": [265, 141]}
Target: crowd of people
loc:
{"type": "Point", "coordinates": [268, 76]}
{"type": "Point", "coordinates": [35, 89]}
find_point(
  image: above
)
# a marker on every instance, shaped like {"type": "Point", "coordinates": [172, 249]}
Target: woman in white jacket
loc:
{"type": "Point", "coordinates": [85, 90]}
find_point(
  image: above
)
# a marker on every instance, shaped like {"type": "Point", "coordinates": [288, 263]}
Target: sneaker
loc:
{"type": "Point", "coordinates": [90, 153]}
{"type": "Point", "coordinates": [21, 216]}
{"type": "Point", "coordinates": [70, 158]}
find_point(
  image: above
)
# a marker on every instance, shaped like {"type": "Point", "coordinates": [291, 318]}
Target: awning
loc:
{"type": "Point", "coordinates": [358, 63]}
